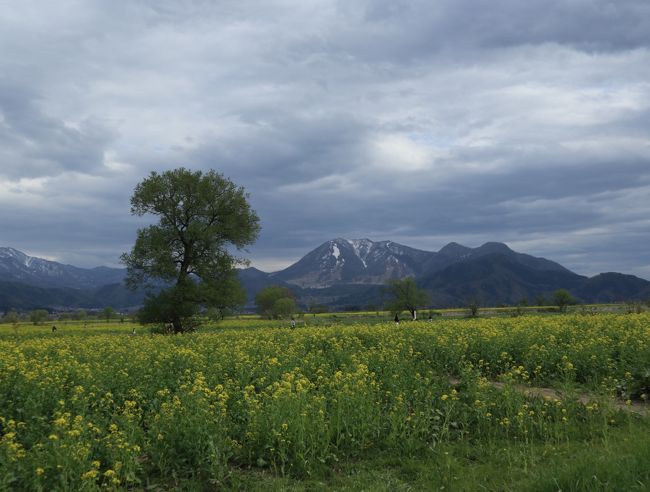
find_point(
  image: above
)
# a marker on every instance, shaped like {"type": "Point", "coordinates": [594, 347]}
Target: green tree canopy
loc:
{"type": "Point", "coordinates": [275, 302]}
{"type": "Point", "coordinates": [563, 298]}
{"type": "Point", "coordinates": [11, 317]}
{"type": "Point", "coordinates": [202, 217]}
{"type": "Point", "coordinates": [108, 313]}
{"type": "Point", "coordinates": [405, 296]}
{"type": "Point", "coordinates": [317, 308]}
{"type": "Point", "coordinates": [284, 308]}
{"type": "Point", "coordinates": [38, 316]}
{"type": "Point", "coordinates": [473, 305]}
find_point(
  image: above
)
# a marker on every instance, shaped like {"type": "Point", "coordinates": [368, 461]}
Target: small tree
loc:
{"type": "Point", "coordinates": [406, 296]}
{"type": "Point", "coordinates": [108, 313]}
{"type": "Point", "coordinates": [273, 302]}
{"type": "Point", "coordinates": [473, 306]}
{"type": "Point", "coordinates": [563, 298]}
{"type": "Point", "coordinates": [540, 300]}
{"type": "Point", "coordinates": [38, 316]}
{"type": "Point", "coordinates": [12, 317]}
{"type": "Point", "coordinates": [315, 309]}
{"type": "Point", "coordinates": [284, 308]}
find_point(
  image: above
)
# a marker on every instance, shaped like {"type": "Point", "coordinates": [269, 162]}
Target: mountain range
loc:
{"type": "Point", "coordinates": [339, 273]}
{"type": "Point", "coordinates": [16, 266]}
{"type": "Point", "coordinates": [27, 282]}
{"type": "Point", "coordinates": [346, 273]}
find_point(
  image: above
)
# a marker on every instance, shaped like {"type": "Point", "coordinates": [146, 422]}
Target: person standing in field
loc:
{"type": "Point", "coordinates": [396, 319]}
{"type": "Point", "coordinates": [293, 322]}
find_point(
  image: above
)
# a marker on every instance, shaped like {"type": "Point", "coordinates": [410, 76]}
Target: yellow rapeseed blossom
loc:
{"type": "Point", "coordinates": [90, 474]}
{"type": "Point", "coordinates": [257, 391]}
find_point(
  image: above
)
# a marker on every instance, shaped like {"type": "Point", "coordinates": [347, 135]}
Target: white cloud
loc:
{"type": "Point", "coordinates": [397, 153]}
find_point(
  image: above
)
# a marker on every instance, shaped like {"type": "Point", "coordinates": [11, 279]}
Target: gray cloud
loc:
{"type": "Point", "coordinates": [424, 123]}
{"type": "Point", "coordinates": [34, 144]}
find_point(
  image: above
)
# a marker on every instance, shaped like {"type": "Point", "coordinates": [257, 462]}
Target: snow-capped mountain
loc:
{"type": "Point", "coordinates": [356, 261]}
{"type": "Point", "coordinates": [344, 272]}
{"type": "Point", "coordinates": [339, 273]}
{"type": "Point", "coordinates": [16, 266]}
{"type": "Point", "coordinates": [362, 261]}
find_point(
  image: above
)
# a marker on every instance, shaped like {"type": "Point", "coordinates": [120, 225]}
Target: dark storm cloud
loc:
{"type": "Point", "coordinates": [419, 122]}
{"type": "Point", "coordinates": [403, 31]}
{"type": "Point", "coordinates": [33, 144]}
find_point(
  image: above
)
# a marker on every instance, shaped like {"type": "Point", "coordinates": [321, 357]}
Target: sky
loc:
{"type": "Point", "coordinates": [420, 122]}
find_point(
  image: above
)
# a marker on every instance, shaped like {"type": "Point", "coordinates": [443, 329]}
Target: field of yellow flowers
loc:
{"type": "Point", "coordinates": [101, 408]}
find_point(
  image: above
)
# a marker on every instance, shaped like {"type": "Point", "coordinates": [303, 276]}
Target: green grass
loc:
{"type": "Point", "coordinates": [615, 462]}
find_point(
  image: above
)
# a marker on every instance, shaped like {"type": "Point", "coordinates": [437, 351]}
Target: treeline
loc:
{"type": "Point", "coordinates": [41, 316]}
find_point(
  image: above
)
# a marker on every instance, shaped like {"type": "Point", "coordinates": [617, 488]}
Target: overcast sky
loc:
{"type": "Point", "coordinates": [421, 122]}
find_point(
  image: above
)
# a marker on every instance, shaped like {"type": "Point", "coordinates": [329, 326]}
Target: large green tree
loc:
{"type": "Point", "coordinates": [203, 217]}
{"type": "Point", "coordinates": [405, 295]}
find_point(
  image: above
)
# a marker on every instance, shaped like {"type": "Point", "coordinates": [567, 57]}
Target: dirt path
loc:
{"type": "Point", "coordinates": [638, 407]}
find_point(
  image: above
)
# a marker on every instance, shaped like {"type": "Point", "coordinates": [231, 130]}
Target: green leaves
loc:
{"type": "Point", "coordinates": [405, 296]}
{"type": "Point", "coordinates": [275, 302]}
{"type": "Point", "coordinates": [200, 216]}
{"type": "Point", "coordinates": [563, 298]}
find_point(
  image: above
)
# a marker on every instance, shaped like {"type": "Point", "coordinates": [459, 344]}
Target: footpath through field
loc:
{"type": "Point", "coordinates": [586, 398]}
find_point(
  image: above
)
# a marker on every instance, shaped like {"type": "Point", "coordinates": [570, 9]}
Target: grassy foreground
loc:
{"type": "Point", "coordinates": [356, 407]}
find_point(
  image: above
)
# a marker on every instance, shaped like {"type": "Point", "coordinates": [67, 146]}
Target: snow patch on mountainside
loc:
{"type": "Point", "coordinates": [18, 257]}
{"type": "Point", "coordinates": [336, 252]}
{"type": "Point", "coordinates": [361, 248]}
